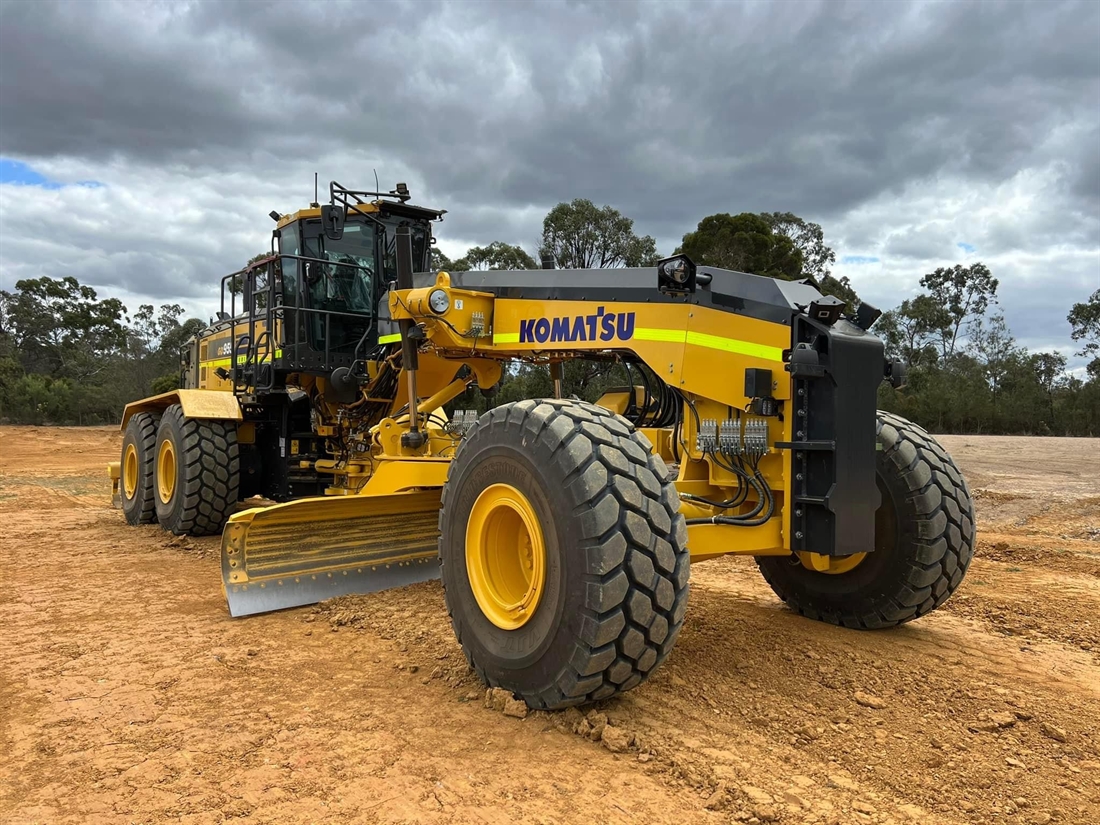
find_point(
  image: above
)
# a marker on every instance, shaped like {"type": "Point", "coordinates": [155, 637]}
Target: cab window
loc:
{"type": "Point", "coordinates": [288, 245]}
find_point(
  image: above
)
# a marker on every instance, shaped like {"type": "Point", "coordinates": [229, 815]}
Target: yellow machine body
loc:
{"type": "Point", "coordinates": [691, 347]}
{"type": "Point", "coordinates": [359, 475]}
{"type": "Point", "coordinates": [319, 431]}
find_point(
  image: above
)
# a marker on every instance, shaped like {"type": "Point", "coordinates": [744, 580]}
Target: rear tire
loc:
{"type": "Point", "coordinates": [139, 445]}
{"type": "Point", "coordinates": [613, 587]}
{"type": "Point", "coordinates": [197, 473]}
{"type": "Point", "coordinates": [924, 541]}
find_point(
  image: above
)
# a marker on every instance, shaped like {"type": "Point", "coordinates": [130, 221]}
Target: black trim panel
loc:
{"type": "Point", "coordinates": [739, 293]}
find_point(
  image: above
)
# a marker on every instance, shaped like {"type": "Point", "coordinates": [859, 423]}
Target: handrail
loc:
{"type": "Point", "coordinates": [275, 309]}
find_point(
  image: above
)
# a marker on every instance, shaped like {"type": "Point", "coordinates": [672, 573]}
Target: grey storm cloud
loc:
{"type": "Point", "coordinates": [497, 111]}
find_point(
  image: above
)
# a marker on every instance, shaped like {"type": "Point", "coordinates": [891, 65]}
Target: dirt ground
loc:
{"type": "Point", "coordinates": [128, 695]}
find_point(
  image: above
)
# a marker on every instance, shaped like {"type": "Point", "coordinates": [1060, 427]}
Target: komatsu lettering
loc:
{"type": "Point", "coordinates": [600, 326]}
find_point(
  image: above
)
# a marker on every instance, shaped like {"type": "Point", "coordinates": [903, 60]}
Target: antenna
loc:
{"type": "Point", "coordinates": [316, 202]}
{"type": "Point", "coordinates": [377, 188]}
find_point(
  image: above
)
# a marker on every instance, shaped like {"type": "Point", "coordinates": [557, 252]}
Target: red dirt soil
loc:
{"type": "Point", "coordinates": [128, 695]}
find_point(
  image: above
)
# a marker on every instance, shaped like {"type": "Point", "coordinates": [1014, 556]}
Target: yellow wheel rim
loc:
{"type": "Point", "coordinates": [166, 471]}
{"type": "Point", "coordinates": [129, 471]}
{"type": "Point", "coordinates": [831, 565]}
{"type": "Point", "coordinates": [505, 556]}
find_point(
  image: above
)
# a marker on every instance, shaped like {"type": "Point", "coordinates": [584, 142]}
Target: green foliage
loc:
{"type": "Point", "coordinates": [745, 243]}
{"type": "Point", "coordinates": [68, 357]}
{"type": "Point", "coordinates": [968, 374]}
{"type": "Point", "coordinates": [1084, 318]}
{"type": "Point", "coordinates": [36, 399]}
{"type": "Point", "coordinates": [60, 328]}
{"type": "Point", "coordinates": [909, 330]}
{"type": "Point", "coordinates": [497, 255]}
{"type": "Point", "coordinates": [994, 350]}
{"type": "Point", "coordinates": [441, 261]}
{"type": "Point", "coordinates": [963, 293]}
{"type": "Point", "coordinates": [581, 235]}
{"type": "Point", "coordinates": [809, 239]}
{"type": "Point", "coordinates": [166, 383]}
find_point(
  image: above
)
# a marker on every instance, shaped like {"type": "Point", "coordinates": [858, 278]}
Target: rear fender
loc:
{"type": "Point", "coordinates": [208, 404]}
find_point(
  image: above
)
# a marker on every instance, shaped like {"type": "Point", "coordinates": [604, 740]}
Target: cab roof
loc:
{"type": "Point", "coordinates": [381, 208]}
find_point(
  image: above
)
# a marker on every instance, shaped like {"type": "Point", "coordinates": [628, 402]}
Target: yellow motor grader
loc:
{"type": "Point", "coordinates": [312, 432]}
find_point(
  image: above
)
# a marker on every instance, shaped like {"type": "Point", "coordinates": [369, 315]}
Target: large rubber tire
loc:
{"type": "Point", "coordinates": [924, 541]}
{"type": "Point", "coordinates": [207, 469]}
{"type": "Point", "coordinates": [617, 566]}
{"type": "Point", "coordinates": [141, 435]}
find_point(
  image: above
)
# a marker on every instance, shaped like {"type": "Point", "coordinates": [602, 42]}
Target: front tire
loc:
{"type": "Point", "coordinates": [563, 553]}
{"type": "Point", "coordinates": [924, 541]}
{"type": "Point", "coordinates": [197, 473]}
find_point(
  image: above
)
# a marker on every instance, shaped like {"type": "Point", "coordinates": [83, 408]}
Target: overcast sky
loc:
{"type": "Point", "coordinates": [142, 144]}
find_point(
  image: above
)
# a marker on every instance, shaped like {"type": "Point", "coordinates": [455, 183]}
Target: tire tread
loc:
{"type": "Point", "coordinates": [625, 632]}
{"type": "Point", "coordinates": [944, 526]}
{"type": "Point", "coordinates": [210, 459]}
{"type": "Point", "coordinates": [145, 425]}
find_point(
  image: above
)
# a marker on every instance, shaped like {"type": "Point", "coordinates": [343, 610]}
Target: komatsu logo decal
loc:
{"type": "Point", "coordinates": [600, 326]}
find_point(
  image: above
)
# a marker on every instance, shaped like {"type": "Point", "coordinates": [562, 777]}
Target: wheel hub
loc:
{"type": "Point", "coordinates": [505, 556]}
{"type": "Point", "coordinates": [832, 565]}
{"type": "Point", "coordinates": [166, 471]}
{"type": "Point", "coordinates": [129, 471]}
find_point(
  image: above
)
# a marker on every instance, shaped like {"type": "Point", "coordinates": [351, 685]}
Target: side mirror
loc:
{"type": "Point", "coordinates": [332, 218]}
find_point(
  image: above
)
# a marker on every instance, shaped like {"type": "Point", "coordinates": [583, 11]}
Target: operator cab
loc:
{"type": "Point", "coordinates": [319, 293]}
{"type": "Point", "coordinates": [332, 291]}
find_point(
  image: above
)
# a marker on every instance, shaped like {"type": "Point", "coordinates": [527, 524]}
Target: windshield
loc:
{"type": "Point", "coordinates": [346, 285]}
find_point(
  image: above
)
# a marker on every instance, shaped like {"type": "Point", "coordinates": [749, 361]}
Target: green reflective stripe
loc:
{"type": "Point", "coordinates": [389, 339]}
{"type": "Point", "coordinates": [667, 336]}
{"type": "Point", "coordinates": [733, 345]}
{"type": "Point", "coordinates": [680, 336]}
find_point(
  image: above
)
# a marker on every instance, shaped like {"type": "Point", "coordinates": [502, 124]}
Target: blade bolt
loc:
{"type": "Point", "coordinates": [798, 535]}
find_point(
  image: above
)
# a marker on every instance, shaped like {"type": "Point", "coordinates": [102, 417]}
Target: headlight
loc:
{"type": "Point", "coordinates": [439, 301]}
{"type": "Point", "coordinates": [676, 275]}
{"type": "Point", "coordinates": [675, 270]}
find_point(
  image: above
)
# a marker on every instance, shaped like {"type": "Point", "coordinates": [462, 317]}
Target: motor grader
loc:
{"type": "Point", "coordinates": [312, 432]}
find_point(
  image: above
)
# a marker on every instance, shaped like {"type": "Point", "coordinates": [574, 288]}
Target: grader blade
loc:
{"type": "Point", "coordinates": [309, 550]}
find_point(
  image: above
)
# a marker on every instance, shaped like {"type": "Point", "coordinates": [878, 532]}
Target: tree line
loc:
{"type": "Point", "coordinates": [70, 357]}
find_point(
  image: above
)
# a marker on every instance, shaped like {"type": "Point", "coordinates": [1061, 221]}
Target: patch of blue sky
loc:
{"type": "Point", "coordinates": [965, 247]}
{"type": "Point", "coordinates": [21, 174]}
{"type": "Point", "coordinates": [859, 259]}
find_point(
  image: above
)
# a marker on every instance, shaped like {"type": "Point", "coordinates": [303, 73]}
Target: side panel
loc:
{"type": "Point", "coordinates": [700, 350]}
{"type": "Point", "coordinates": [221, 346]}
